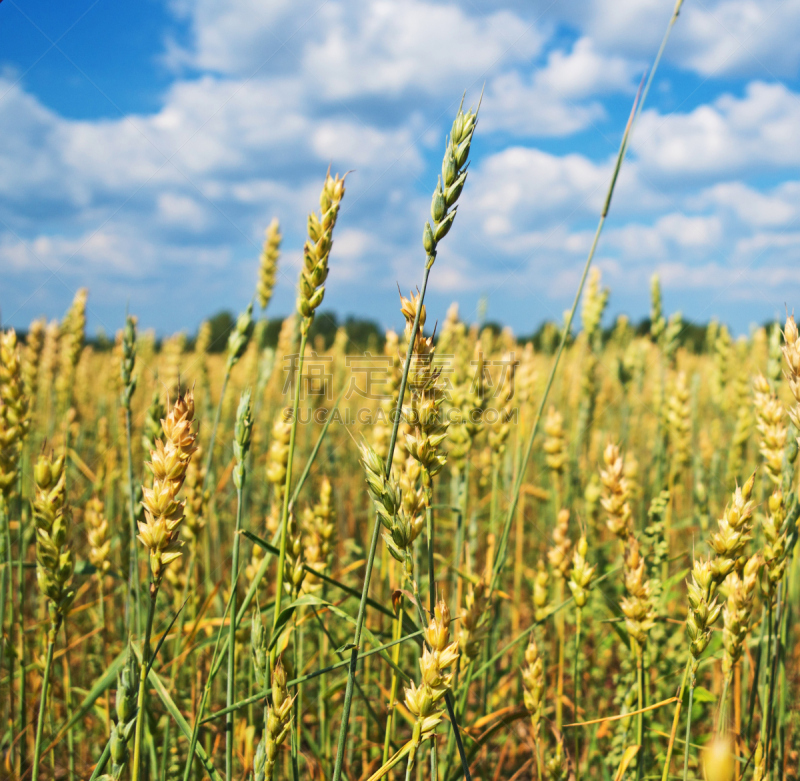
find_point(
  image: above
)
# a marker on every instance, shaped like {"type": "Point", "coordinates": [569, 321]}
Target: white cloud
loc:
{"type": "Point", "coordinates": [347, 49]}
{"type": "Point", "coordinates": [16, 255]}
{"type": "Point", "coordinates": [458, 274]}
{"type": "Point", "coordinates": [584, 72]}
{"type": "Point", "coordinates": [181, 211]}
{"type": "Point", "coordinates": [122, 266]}
{"type": "Point", "coordinates": [758, 245]}
{"type": "Point", "coordinates": [630, 27]}
{"type": "Point", "coordinates": [730, 135]}
{"type": "Point", "coordinates": [560, 97]}
{"type": "Point", "coordinates": [206, 145]}
{"type": "Point", "coordinates": [105, 252]}
{"type": "Point", "coordinates": [386, 46]}
{"type": "Point", "coordinates": [689, 232]}
{"type": "Point", "coordinates": [352, 249]}
{"type": "Point", "coordinates": [760, 209]}
{"type": "Point", "coordinates": [744, 38]}
{"type": "Point", "coordinates": [242, 35]}
{"type": "Point", "coordinates": [741, 37]}
{"type": "Point", "coordinates": [521, 186]}
{"type": "Point", "coordinates": [27, 165]}
{"type": "Point", "coordinates": [361, 145]}
{"type": "Point", "coordinates": [674, 233]}
{"type": "Point", "coordinates": [283, 89]}
{"type": "Point", "coordinates": [517, 105]}
{"type": "Point", "coordinates": [749, 283]}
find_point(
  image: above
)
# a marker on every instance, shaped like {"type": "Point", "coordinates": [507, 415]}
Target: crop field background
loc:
{"type": "Point", "coordinates": [302, 547]}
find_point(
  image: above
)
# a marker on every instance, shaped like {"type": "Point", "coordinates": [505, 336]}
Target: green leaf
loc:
{"type": "Point", "coordinates": [286, 614]}
{"type": "Point", "coordinates": [675, 579]}
{"type": "Point", "coordinates": [619, 631]}
{"type": "Point", "coordinates": [108, 678]}
{"type": "Point", "coordinates": [254, 538]}
{"type": "Point", "coordinates": [169, 704]}
{"type": "Point", "coordinates": [371, 638]}
{"type": "Point", "coordinates": [701, 694]}
{"type": "Point", "coordinates": [83, 567]}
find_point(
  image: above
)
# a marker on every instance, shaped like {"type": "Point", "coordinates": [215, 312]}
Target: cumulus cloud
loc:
{"type": "Point", "coordinates": [374, 47]}
{"type": "Point", "coordinates": [386, 46]}
{"type": "Point", "coordinates": [523, 188]}
{"type": "Point", "coordinates": [239, 36]}
{"type": "Point", "coordinates": [524, 107]}
{"type": "Point", "coordinates": [630, 27]}
{"type": "Point", "coordinates": [364, 146]}
{"type": "Point", "coordinates": [772, 208]}
{"type": "Point", "coordinates": [584, 72]}
{"type": "Point", "coordinates": [562, 96]}
{"type": "Point", "coordinates": [208, 144]}
{"type": "Point", "coordinates": [740, 38]}
{"type": "Point", "coordinates": [676, 233]}
{"type": "Point", "coordinates": [181, 211]}
{"type": "Point", "coordinates": [730, 135]}
{"type": "Point", "coordinates": [265, 96]}
{"type": "Point", "coordinates": [114, 252]}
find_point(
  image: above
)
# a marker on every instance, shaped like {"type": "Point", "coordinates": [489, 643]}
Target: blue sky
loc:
{"type": "Point", "coordinates": [146, 146]}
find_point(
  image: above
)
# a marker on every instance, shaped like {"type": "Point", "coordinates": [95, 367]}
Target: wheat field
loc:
{"type": "Point", "coordinates": [445, 552]}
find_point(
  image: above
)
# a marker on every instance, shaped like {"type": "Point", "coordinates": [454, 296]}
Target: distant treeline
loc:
{"type": "Point", "coordinates": [692, 335]}
{"type": "Point", "coordinates": [367, 335]}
